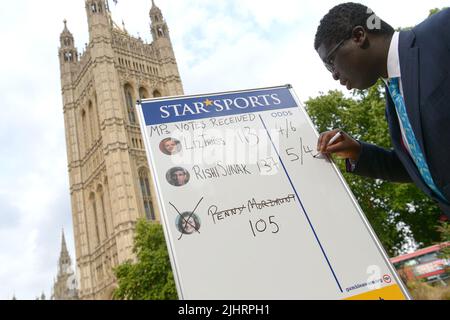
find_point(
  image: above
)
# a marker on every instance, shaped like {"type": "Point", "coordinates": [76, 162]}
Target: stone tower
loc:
{"type": "Point", "coordinates": [65, 286]}
{"type": "Point", "coordinates": [110, 182]}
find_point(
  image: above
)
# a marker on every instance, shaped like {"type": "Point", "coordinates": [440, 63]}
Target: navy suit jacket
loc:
{"type": "Point", "coordinates": [424, 55]}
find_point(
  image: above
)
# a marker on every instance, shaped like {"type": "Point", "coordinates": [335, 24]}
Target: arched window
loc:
{"type": "Point", "coordinates": [96, 114]}
{"type": "Point", "coordinates": [130, 104]}
{"type": "Point", "coordinates": [146, 196]}
{"type": "Point", "coordinates": [94, 212]}
{"type": "Point", "coordinates": [156, 94]}
{"type": "Point", "coordinates": [101, 196]}
{"type": "Point", "coordinates": [84, 128]}
{"type": "Point", "coordinates": [92, 124]}
{"type": "Point", "coordinates": [94, 7]}
{"type": "Point", "coordinates": [143, 94]}
{"type": "Point", "coordinates": [107, 203]}
{"type": "Point", "coordinates": [68, 57]}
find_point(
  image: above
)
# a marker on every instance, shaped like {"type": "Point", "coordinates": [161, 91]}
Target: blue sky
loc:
{"type": "Point", "coordinates": [219, 45]}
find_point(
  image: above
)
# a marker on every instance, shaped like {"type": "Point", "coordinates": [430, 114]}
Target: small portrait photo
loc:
{"type": "Point", "coordinates": [177, 176]}
{"type": "Point", "coordinates": [170, 146]}
{"type": "Point", "coordinates": [187, 222]}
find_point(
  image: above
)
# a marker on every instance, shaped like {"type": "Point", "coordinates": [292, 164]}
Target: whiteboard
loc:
{"type": "Point", "coordinates": [248, 212]}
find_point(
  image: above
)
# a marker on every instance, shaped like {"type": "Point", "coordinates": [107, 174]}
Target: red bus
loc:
{"type": "Point", "coordinates": [424, 264]}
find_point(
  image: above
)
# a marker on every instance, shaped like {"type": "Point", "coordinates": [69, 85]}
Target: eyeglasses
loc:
{"type": "Point", "coordinates": [329, 63]}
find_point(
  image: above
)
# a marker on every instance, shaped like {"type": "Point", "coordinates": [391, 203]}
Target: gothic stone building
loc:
{"type": "Point", "coordinates": [110, 183]}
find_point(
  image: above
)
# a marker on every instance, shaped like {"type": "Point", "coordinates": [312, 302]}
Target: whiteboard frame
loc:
{"type": "Point", "coordinates": [163, 213]}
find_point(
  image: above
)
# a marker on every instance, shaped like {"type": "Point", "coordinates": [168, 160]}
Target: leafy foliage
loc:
{"type": "Point", "coordinates": [150, 278]}
{"type": "Point", "coordinates": [444, 230]}
{"type": "Point", "coordinates": [436, 10]}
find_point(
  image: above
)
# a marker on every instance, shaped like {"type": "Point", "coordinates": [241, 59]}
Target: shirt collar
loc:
{"type": "Point", "coordinates": [393, 63]}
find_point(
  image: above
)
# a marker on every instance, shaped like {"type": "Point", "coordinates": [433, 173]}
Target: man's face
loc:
{"type": "Point", "coordinates": [351, 62]}
{"type": "Point", "coordinates": [179, 177]}
{"type": "Point", "coordinates": [170, 146]}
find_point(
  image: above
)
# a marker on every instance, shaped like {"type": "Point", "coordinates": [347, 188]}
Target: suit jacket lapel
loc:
{"type": "Point", "coordinates": [409, 67]}
{"type": "Point", "coordinates": [403, 155]}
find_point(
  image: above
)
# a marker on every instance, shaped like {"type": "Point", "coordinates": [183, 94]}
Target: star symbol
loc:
{"type": "Point", "coordinates": [208, 102]}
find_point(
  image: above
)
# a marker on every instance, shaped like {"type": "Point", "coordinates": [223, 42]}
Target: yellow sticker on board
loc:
{"type": "Point", "coordinates": [392, 292]}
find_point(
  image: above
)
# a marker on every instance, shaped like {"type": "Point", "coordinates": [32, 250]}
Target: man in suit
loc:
{"type": "Point", "coordinates": [358, 48]}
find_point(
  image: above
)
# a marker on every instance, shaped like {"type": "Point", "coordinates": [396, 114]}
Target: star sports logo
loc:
{"type": "Point", "coordinates": [219, 105]}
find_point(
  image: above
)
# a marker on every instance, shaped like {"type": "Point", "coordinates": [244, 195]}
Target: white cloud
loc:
{"type": "Point", "coordinates": [220, 45]}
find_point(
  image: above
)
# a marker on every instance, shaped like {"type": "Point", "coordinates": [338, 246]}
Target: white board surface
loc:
{"type": "Point", "coordinates": [248, 212]}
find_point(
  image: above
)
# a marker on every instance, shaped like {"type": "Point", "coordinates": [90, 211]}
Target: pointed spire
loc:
{"type": "Point", "coordinates": [158, 26]}
{"type": "Point", "coordinates": [154, 9]}
{"type": "Point", "coordinates": [63, 243]}
{"type": "Point", "coordinates": [65, 31]}
{"type": "Point", "coordinates": [66, 37]}
{"type": "Point", "coordinates": [62, 286]}
{"type": "Point", "coordinates": [64, 262]}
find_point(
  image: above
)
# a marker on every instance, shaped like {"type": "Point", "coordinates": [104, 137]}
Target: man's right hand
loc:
{"type": "Point", "coordinates": [344, 147]}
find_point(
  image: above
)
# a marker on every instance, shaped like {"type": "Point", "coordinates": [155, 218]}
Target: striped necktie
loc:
{"type": "Point", "coordinates": [416, 152]}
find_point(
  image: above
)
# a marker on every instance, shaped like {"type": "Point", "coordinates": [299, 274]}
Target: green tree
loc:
{"type": "Point", "coordinates": [444, 230]}
{"type": "Point", "coordinates": [435, 10]}
{"type": "Point", "coordinates": [150, 278]}
{"type": "Point", "coordinates": [397, 212]}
